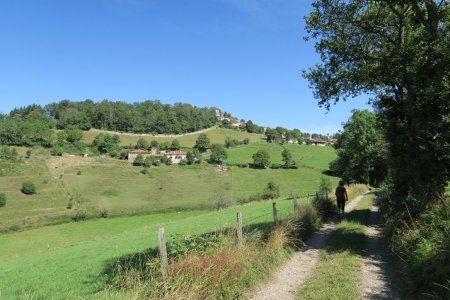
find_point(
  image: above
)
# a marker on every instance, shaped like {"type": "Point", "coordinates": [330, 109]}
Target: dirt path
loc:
{"type": "Point", "coordinates": [285, 282]}
{"type": "Point", "coordinates": [379, 276]}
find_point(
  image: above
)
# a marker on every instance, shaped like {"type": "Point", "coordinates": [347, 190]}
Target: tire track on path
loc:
{"type": "Point", "coordinates": [285, 282]}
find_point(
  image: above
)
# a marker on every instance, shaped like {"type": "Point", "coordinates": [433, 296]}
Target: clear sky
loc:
{"type": "Point", "coordinates": [244, 56]}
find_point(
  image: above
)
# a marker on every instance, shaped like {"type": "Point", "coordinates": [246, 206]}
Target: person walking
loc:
{"type": "Point", "coordinates": [341, 198]}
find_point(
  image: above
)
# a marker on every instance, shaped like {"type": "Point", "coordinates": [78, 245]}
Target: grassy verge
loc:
{"type": "Point", "coordinates": [338, 273]}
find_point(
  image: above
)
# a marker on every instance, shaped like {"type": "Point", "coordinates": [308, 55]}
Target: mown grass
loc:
{"type": "Point", "coordinates": [68, 259]}
{"type": "Point", "coordinates": [304, 155]}
{"type": "Point", "coordinates": [216, 135]}
{"type": "Point", "coordinates": [338, 273]}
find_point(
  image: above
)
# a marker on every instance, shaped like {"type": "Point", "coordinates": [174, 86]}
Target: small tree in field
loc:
{"type": "Point", "coordinates": [261, 159]}
{"type": "Point", "coordinates": [272, 191]}
{"type": "Point", "coordinates": [202, 143]}
{"type": "Point", "coordinates": [218, 153]}
{"type": "Point", "coordinates": [139, 160]}
{"type": "Point", "coordinates": [149, 161]}
{"type": "Point", "coordinates": [28, 188]}
{"type": "Point", "coordinates": [2, 199]}
{"type": "Point", "coordinates": [220, 200]}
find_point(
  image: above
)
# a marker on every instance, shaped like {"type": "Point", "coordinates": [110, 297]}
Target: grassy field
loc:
{"type": "Point", "coordinates": [67, 260]}
{"type": "Point", "coordinates": [344, 249]}
{"type": "Point", "coordinates": [304, 155]}
{"type": "Point", "coordinates": [98, 184]}
{"type": "Point", "coordinates": [216, 135]}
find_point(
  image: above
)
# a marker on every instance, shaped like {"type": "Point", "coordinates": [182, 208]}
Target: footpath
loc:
{"type": "Point", "coordinates": [376, 269]}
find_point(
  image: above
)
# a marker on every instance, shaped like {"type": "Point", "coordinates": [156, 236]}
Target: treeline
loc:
{"type": "Point", "coordinates": [143, 117]}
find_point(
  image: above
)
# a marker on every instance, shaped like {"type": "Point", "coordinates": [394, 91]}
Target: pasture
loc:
{"type": "Point", "coordinates": [67, 260]}
{"type": "Point", "coordinates": [216, 135]}
{"type": "Point", "coordinates": [92, 185]}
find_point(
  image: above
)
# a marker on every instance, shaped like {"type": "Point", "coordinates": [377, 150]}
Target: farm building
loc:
{"type": "Point", "coordinates": [176, 156]}
{"type": "Point", "coordinates": [318, 143]}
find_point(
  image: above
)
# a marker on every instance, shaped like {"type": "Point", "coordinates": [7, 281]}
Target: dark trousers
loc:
{"type": "Point", "coordinates": [341, 204]}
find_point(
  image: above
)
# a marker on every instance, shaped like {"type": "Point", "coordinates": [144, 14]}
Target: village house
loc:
{"type": "Point", "coordinates": [318, 143]}
{"type": "Point", "coordinates": [176, 156]}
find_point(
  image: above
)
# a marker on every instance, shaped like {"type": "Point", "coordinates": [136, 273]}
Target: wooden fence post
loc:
{"type": "Point", "coordinates": [163, 254]}
{"type": "Point", "coordinates": [275, 213]}
{"type": "Point", "coordinates": [295, 205]}
{"type": "Point", "coordinates": [239, 228]}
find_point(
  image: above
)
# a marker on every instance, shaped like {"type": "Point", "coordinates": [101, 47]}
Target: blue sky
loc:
{"type": "Point", "coordinates": [244, 56]}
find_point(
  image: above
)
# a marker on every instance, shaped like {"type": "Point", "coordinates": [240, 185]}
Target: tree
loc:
{"type": "Point", "coordinates": [175, 145]}
{"type": "Point", "coordinates": [139, 160]}
{"type": "Point", "coordinates": [166, 160]}
{"type": "Point", "coordinates": [397, 51]}
{"type": "Point", "coordinates": [250, 127]}
{"type": "Point", "coordinates": [218, 153]}
{"type": "Point", "coordinates": [73, 134]}
{"type": "Point", "coordinates": [28, 188]}
{"type": "Point", "coordinates": [106, 143]}
{"type": "Point", "coordinates": [261, 159]}
{"type": "Point", "coordinates": [202, 143]}
{"type": "Point", "coordinates": [154, 144]}
{"type": "Point", "coordinates": [271, 191]}
{"type": "Point", "coordinates": [2, 199]}
{"type": "Point", "coordinates": [149, 161]}
{"type": "Point", "coordinates": [220, 200]}
{"type": "Point", "coordinates": [270, 134]}
{"type": "Point", "coordinates": [287, 158]}
{"type": "Point", "coordinates": [361, 149]}
{"type": "Point", "coordinates": [141, 144]}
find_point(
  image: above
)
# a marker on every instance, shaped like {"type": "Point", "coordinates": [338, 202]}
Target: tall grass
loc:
{"type": "Point", "coordinates": [221, 270]}
{"type": "Point", "coordinates": [424, 251]}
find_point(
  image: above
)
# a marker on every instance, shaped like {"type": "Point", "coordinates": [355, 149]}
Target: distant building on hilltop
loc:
{"type": "Point", "coordinates": [176, 156]}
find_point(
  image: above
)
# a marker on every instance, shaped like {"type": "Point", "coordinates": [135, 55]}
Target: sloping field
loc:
{"type": "Point", "coordinates": [304, 155]}
{"type": "Point", "coordinates": [216, 135]}
{"type": "Point", "coordinates": [66, 261]}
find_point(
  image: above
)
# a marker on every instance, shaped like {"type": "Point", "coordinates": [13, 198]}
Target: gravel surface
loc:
{"type": "Point", "coordinates": [286, 281]}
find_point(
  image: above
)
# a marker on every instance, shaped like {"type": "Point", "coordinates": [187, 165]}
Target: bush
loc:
{"type": "Point", "coordinates": [139, 160]}
{"type": "Point", "coordinates": [326, 208]}
{"type": "Point", "coordinates": [2, 199]}
{"type": "Point", "coordinates": [79, 172]}
{"type": "Point", "coordinates": [14, 227]}
{"type": "Point", "coordinates": [243, 200]}
{"type": "Point", "coordinates": [79, 215]}
{"type": "Point", "coordinates": [28, 188]}
{"type": "Point", "coordinates": [272, 191]}
{"type": "Point", "coordinates": [103, 212]}
{"type": "Point", "coordinates": [183, 163]}
{"type": "Point", "coordinates": [57, 151]}
{"type": "Point", "coordinates": [424, 248]}
{"type": "Point", "coordinates": [220, 200]}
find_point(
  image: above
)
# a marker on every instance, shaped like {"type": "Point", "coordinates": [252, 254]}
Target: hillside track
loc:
{"type": "Point", "coordinates": [152, 135]}
{"type": "Point", "coordinates": [286, 281]}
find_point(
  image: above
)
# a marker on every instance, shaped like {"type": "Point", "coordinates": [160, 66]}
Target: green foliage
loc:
{"type": "Point", "coordinates": [183, 163]}
{"type": "Point", "coordinates": [28, 188]}
{"type": "Point", "coordinates": [202, 143]}
{"type": "Point", "coordinates": [287, 159]}
{"type": "Point", "coordinates": [362, 150]}
{"type": "Point", "coordinates": [261, 159]}
{"type": "Point", "coordinates": [326, 208]}
{"type": "Point", "coordinates": [175, 145]}
{"type": "Point", "coordinates": [218, 153]}
{"type": "Point", "coordinates": [7, 153]}
{"type": "Point", "coordinates": [141, 144]}
{"type": "Point", "coordinates": [106, 144]}
{"type": "Point", "coordinates": [139, 160]}
{"type": "Point", "coordinates": [28, 153]}
{"type": "Point", "coordinates": [2, 199]}
{"type": "Point", "coordinates": [220, 200]}
{"type": "Point", "coordinates": [149, 161]}
{"type": "Point", "coordinates": [57, 151]}
{"type": "Point", "coordinates": [166, 160]}
{"type": "Point", "coordinates": [73, 134]}
{"type": "Point", "coordinates": [425, 249]}
{"type": "Point", "coordinates": [199, 244]}
{"type": "Point", "coordinates": [154, 144]}
{"type": "Point", "coordinates": [272, 191]}
{"type": "Point", "coordinates": [144, 117]}
{"type": "Point", "coordinates": [325, 186]}
{"type": "Point", "coordinates": [398, 53]}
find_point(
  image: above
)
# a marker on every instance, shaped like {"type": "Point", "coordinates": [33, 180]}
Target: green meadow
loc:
{"type": "Point", "coordinates": [68, 260]}
{"type": "Point", "coordinates": [216, 135]}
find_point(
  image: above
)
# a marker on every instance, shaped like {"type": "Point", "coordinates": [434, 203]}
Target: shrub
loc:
{"type": "Point", "coordinates": [103, 212]}
{"type": "Point", "coordinates": [324, 206]}
{"type": "Point", "coordinates": [79, 215]}
{"type": "Point", "coordinates": [272, 191]}
{"type": "Point", "coordinates": [14, 227]}
{"type": "Point", "coordinates": [2, 199]}
{"type": "Point", "coordinates": [139, 160]}
{"type": "Point", "coordinates": [79, 172]}
{"type": "Point", "coordinates": [57, 151]}
{"type": "Point", "coordinates": [183, 163]}
{"type": "Point", "coordinates": [28, 153]}
{"type": "Point", "coordinates": [166, 160]}
{"type": "Point", "coordinates": [149, 161]}
{"type": "Point", "coordinates": [220, 200]}
{"type": "Point", "coordinates": [243, 200]}
{"type": "Point", "coordinates": [28, 188]}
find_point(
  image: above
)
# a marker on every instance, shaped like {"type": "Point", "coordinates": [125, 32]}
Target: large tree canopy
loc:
{"type": "Point", "coordinates": [398, 52]}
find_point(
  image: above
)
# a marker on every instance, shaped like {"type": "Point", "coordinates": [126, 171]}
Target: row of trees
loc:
{"type": "Point", "coordinates": [143, 117]}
